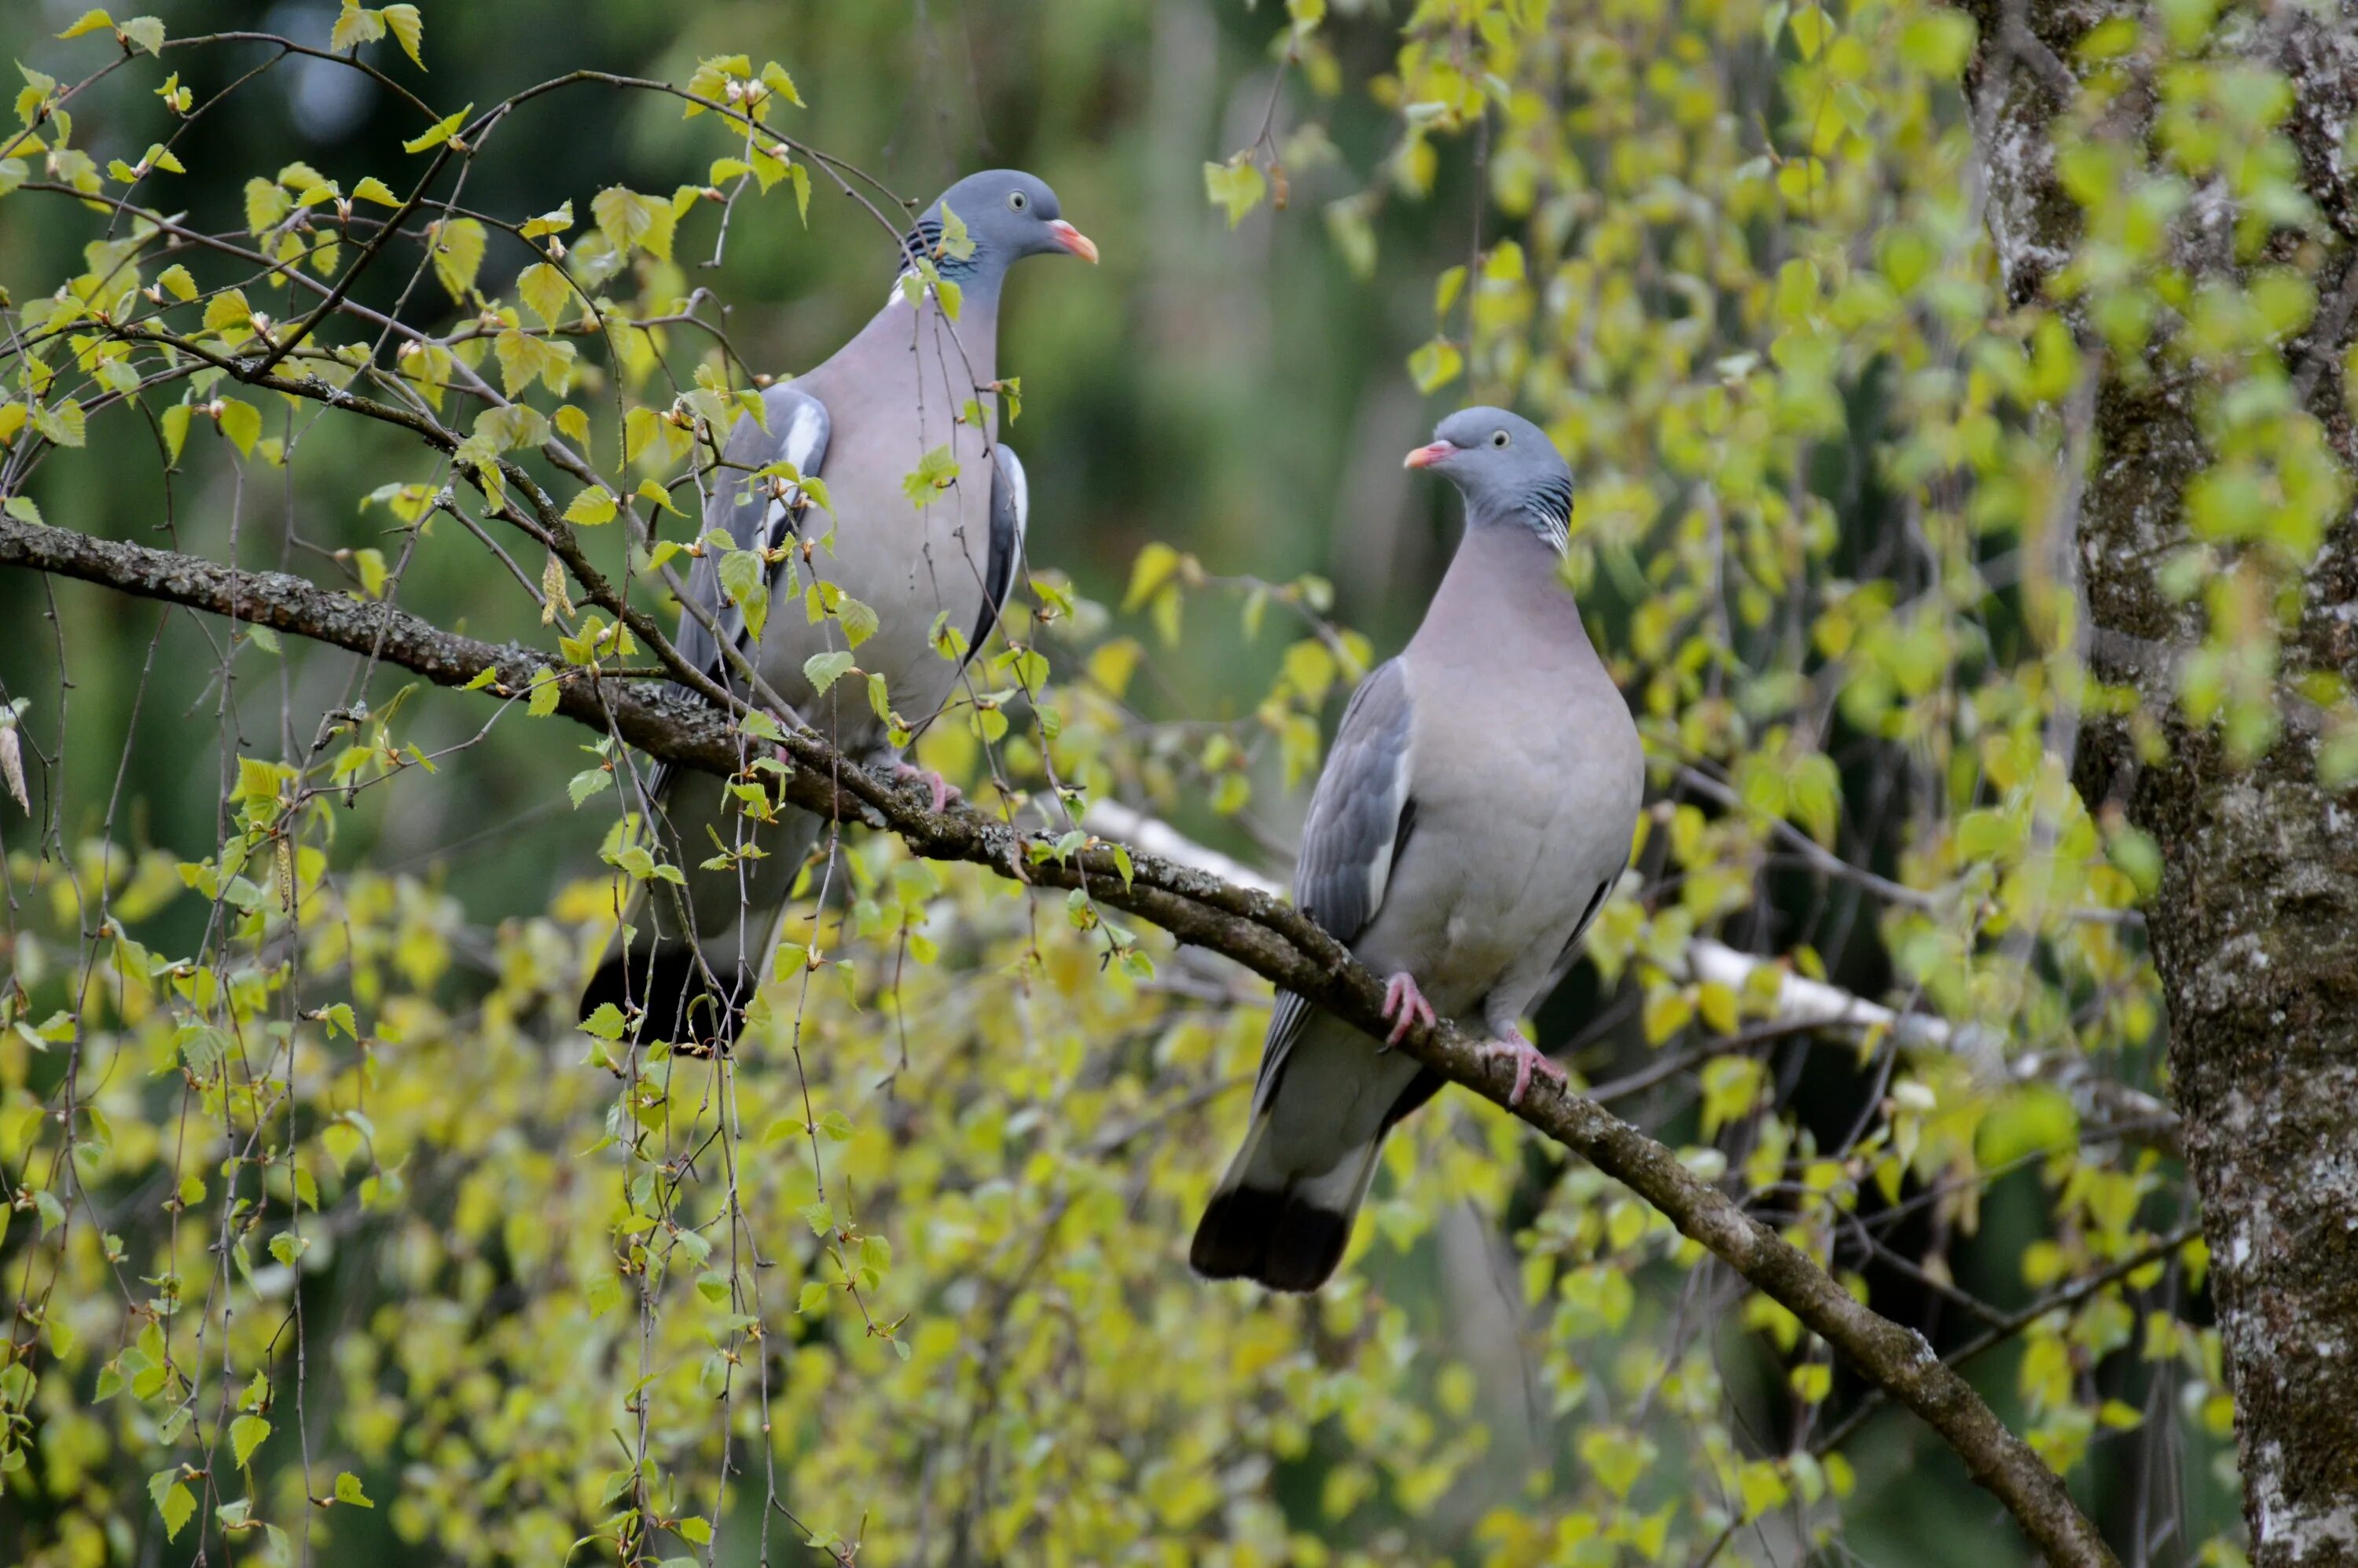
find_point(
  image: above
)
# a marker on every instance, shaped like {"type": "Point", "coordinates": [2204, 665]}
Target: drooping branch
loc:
{"type": "Point", "coordinates": [1246, 924]}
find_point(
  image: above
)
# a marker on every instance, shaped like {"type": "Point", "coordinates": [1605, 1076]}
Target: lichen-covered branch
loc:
{"type": "Point", "coordinates": [1246, 924]}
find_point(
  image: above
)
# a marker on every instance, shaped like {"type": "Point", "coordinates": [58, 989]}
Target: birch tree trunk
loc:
{"type": "Point", "coordinates": [2256, 925]}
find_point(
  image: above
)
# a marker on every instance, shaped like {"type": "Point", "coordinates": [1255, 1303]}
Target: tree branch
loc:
{"type": "Point", "coordinates": [1802, 1004]}
{"type": "Point", "coordinates": [1248, 923]}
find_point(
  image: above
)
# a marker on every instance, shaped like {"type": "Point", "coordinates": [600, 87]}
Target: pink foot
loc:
{"type": "Point", "coordinates": [1528, 1058]}
{"type": "Point", "coordinates": [1401, 997]}
{"type": "Point", "coordinates": [944, 791]}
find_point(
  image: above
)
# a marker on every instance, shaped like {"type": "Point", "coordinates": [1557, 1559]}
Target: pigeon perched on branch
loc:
{"type": "Point", "coordinates": [879, 478]}
{"type": "Point", "coordinates": [1474, 812]}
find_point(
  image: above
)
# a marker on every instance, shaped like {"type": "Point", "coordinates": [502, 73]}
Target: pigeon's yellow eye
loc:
{"type": "Point", "coordinates": [1498, 437]}
{"type": "Point", "coordinates": [1017, 201]}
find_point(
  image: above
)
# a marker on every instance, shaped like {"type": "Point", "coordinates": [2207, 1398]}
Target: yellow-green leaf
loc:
{"type": "Point", "coordinates": [409, 28]}
{"type": "Point", "coordinates": [1235, 186]}
{"type": "Point", "coordinates": [355, 27]}
{"type": "Point", "coordinates": [547, 290]}
{"type": "Point", "coordinates": [591, 507]}
{"type": "Point", "coordinates": [628, 218]}
{"type": "Point", "coordinates": [458, 255]}
{"type": "Point", "coordinates": [441, 131]}
{"type": "Point", "coordinates": [241, 423]}
{"type": "Point", "coordinates": [245, 1435]}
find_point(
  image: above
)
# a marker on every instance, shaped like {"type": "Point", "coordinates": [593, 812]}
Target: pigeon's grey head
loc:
{"type": "Point", "coordinates": [1008, 215]}
{"type": "Point", "coordinates": [1506, 467]}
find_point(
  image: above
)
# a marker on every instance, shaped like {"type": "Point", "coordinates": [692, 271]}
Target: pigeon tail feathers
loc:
{"type": "Point", "coordinates": [1286, 1229]}
{"type": "Point", "coordinates": [682, 998]}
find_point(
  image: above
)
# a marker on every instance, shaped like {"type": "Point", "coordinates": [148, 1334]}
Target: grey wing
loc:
{"type": "Point", "coordinates": [741, 507]}
{"type": "Point", "coordinates": [1571, 952]}
{"type": "Point", "coordinates": [1360, 818]}
{"type": "Point", "coordinates": [1011, 510]}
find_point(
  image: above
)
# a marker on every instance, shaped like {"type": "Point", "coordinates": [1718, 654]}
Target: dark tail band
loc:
{"type": "Point", "coordinates": [679, 998]}
{"type": "Point", "coordinates": [1281, 1238]}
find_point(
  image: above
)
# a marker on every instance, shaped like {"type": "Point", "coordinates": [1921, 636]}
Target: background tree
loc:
{"type": "Point", "coordinates": [2182, 192]}
{"type": "Point", "coordinates": [316, 1194]}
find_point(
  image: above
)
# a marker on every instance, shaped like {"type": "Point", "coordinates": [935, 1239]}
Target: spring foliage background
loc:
{"type": "Point", "coordinates": [329, 1238]}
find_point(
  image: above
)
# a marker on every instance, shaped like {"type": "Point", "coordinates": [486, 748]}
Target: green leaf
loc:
{"type": "Point", "coordinates": [2027, 1119]}
{"type": "Point", "coordinates": [241, 423]}
{"type": "Point", "coordinates": [458, 255]}
{"type": "Point", "coordinates": [543, 701]}
{"type": "Point", "coordinates": [547, 223]}
{"type": "Point", "coordinates": [859, 622]}
{"type": "Point", "coordinates": [63, 423]}
{"type": "Point", "coordinates": [92, 21]}
{"type": "Point", "coordinates": [525, 358]}
{"type": "Point", "coordinates": [586, 782]}
{"type": "Point", "coordinates": [822, 670]}
{"type": "Point", "coordinates": [175, 421]}
{"type": "Point", "coordinates": [605, 1023]}
{"type": "Point", "coordinates": [1155, 566]}
{"type": "Point", "coordinates": [774, 77]}
{"type": "Point", "coordinates": [245, 1435]}
{"type": "Point", "coordinates": [372, 189]}
{"type": "Point", "coordinates": [228, 312]}
{"type": "Point", "coordinates": [355, 27]}
{"type": "Point", "coordinates": [178, 1505]}
{"type": "Point", "coordinates": [592, 508]}
{"type": "Point", "coordinates": [956, 244]}
{"type": "Point", "coordinates": [547, 290]}
{"type": "Point", "coordinates": [347, 1490]}
{"type": "Point", "coordinates": [265, 205]}
{"type": "Point", "coordinates": [628, 218]}
{"type": "Point", "coordinates": [935, 471]}
{"type": "Point", "coordinates": [1435, 365]}
{"type": "Point", "coordinates": [441, 131]}
{"type": "Point", "coordinates": [409, 28]}
{"type": "Point", "coordinates": [1237, 185]}
{"type": "Point", "coordinates": [22, 508]}
{"type": "Point", "coordinates": [745, 579]}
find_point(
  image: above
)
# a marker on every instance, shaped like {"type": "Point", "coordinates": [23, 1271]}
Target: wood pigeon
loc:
{"type": "Point", "coordinates": [1474, 811]}
{"type": "Point", "coordinates": [897, 400]}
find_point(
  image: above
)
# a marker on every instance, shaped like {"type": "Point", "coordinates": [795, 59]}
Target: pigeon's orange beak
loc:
{"type": "Point", "coordinates": [1425, 456]}
{"type": "Point", "coordinates": [1073, 240]}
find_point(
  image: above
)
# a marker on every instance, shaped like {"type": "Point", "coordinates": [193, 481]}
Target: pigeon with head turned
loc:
{"type": "Point", "coordinates": [914, 392]}
{"type": "Point", "coordinates": [1474, 811]}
